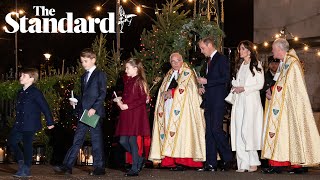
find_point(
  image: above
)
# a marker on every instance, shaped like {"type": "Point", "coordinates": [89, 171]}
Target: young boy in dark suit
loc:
{"type": "Point", "coordinates": [30, 104]}
{"type": "Point", "coordinates": [93, 93]}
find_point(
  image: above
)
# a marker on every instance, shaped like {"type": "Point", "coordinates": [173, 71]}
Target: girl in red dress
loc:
{"type": "Point", "coordinates": [133, 120]}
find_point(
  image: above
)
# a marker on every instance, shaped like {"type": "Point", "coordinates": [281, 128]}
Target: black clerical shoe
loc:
{"type": "Point", "coordinates": [131, 173]}
{"type": "Point", "coordinates": [301, 170]}
{"type": "Point", "coordinates": [97, 172]}
{"type": "Point", "coordinates": [62, 170]}
{"type": "Point", "coordinates": [207, 167]}
{"type": "Point", "coordinates": [177, 168]}
{"type": "Point", "coordinates": [272, 170]}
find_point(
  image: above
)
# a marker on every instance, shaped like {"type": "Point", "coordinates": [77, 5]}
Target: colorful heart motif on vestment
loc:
{"type": "Point", "coordinates": [286, 66]}
{"type": "Point", "coordinates": [176, 112]}
{"type": "Point", "coordinates": [279, 88]}
{"type": "Point", "coordinates": [271, 134]}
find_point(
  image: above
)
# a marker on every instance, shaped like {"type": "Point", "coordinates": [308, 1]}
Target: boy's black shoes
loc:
{"type": "Point", "coordinates": [131, 173]}
{"type": "Point", "coordinates": [62, 170]}
{"type": "Point", "coordinates": [97, 172]}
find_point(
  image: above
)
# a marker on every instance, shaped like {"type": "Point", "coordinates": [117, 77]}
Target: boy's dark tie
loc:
{"type": "Point", "coordinates": [86, 75]}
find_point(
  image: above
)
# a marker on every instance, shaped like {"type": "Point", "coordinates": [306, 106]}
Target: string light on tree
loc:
{"type": "Point", "coordinates": [284, 33]}
{"type": "Point", "coordinates": [98, 8]}
{"type": "Point", "coordinates": [255, 47]}
{"type": "Point", "coordinates": [21, 11]}
{"type": "Point", "coordinates": [138, 9]}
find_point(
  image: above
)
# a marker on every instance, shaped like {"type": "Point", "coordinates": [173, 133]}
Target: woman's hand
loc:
{"type": "Point", "coordinates": [238, 90]}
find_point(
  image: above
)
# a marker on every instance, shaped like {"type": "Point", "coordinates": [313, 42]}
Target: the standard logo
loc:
{"type": "Point", "coordinates": [44, 22]}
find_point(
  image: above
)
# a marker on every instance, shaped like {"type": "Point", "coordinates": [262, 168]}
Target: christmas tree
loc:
{"type": "Point", "coordinates": [173, 31]}
{"type": "Point", "coordinates": [157, 44]}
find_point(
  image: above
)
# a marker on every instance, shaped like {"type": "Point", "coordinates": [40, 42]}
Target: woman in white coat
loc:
{"type": "Point", "coordinates": [247, 112]}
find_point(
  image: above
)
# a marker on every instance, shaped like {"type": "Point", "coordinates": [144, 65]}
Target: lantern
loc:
{"type": "Point", "coordinates": [39, 156]}
{"type": "Point", "coordinates": [3, 154]}
{"type": "Point", "coordinates": [85, 155]}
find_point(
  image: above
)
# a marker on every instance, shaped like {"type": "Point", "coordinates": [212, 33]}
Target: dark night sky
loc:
{"type": "Point", "coordinates": [238, 26]}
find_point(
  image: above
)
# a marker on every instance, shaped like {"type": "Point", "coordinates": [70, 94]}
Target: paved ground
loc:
{"type": "Point", "coordinates": [44, 172]}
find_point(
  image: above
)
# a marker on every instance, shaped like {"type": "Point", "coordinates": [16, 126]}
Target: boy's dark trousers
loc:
{"type": "Point", "coordinates": [97, 146]}
{"type": "Point", "coordinates": [26, 137]}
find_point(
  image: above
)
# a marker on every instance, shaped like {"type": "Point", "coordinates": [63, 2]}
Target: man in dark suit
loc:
{"type": "Point", "coordinates": [93, 93]}
{"type": "Point", "coordinates": [215, 83]}
{"type": "Point", "coordinates": [268, 78]}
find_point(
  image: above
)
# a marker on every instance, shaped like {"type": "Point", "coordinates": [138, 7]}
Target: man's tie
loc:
{"type": "Point", "coordinates": [208, 63]}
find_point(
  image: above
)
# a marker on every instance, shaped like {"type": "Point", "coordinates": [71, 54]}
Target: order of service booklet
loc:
{"type": "Point", "coordinates": [90, 121]}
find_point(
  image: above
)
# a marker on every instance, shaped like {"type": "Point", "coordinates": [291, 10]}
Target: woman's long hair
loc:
{"type": "Point", "coordinates": [253, 56]}
{"type": "Point", "coordinates": [142, 80]}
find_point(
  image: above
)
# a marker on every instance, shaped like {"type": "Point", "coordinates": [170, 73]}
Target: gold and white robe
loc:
{"type": "Point", "coordinates": [291, 133]}
{"type": "Point", "coordinates": [185, 122]}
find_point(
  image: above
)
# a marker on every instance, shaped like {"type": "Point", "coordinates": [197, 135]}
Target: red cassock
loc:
{"type": "Point", "coordinates": [282, 163]}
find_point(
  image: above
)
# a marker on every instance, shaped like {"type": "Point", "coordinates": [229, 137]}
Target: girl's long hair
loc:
{"type": "Point", "coordinates": [253, 56]}
{"type": "Point", "coordinates": [142, 80]}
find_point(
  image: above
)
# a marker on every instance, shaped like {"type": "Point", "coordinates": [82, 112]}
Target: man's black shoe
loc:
{"type": "Point", "coordinates": [132, 173]}
{"type": "Point", "coordinates": [62, 170]}
{"type": "Point", "coordinates": [208, 167]}
{"type": "Point", "coordinates": [97, 172]}
{"type": "Point", "coordinates": [177, 168]}
{"type": "Point", "coordinates": [272, 170]}
{"type": "Point", "coordinates": [225, 166]}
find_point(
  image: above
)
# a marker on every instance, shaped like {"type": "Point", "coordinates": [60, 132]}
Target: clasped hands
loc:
{"type": "Point", "coordinates": [269, 94]}
{"type": "Point", "coordinates": [235, 87]}
{"type": "Point", "coordinates": [237, 90]}
{"type": "Point", "coordinates": [120, 103]}
{"type": "Point", "coordinates": [167, 94]}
